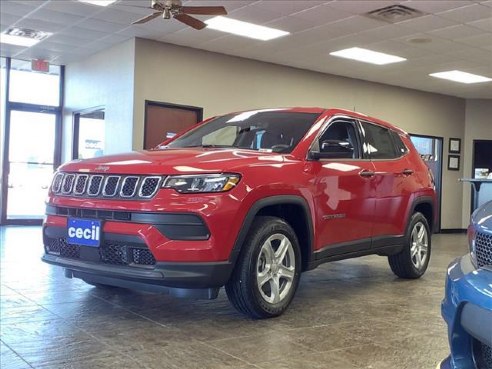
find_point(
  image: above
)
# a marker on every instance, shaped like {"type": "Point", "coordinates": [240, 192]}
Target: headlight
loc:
{"type": "Point", "coordinates": [471, 243]}
{"type": "Point", "coordinates": [202, 182]}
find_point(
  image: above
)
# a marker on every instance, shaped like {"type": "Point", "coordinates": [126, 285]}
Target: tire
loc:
{"type": "Point", "coordinates": [412, 261]}
{"type": "Point", "coordinates": [264, 281]}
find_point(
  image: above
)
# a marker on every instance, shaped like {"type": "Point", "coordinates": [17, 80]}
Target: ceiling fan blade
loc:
{"type": "Point", "coordinates": [205, 10]}
{"type": "Point", "coordinates": [190, 21]}
{"type": "Point", "coordinates": [147, 18]}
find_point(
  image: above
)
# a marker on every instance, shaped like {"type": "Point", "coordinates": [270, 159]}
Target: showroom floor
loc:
{"type": "Point", "coordinates": [346, 315]}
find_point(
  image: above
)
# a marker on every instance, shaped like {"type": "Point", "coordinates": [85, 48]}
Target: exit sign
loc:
{"type": "Point", "coordinates": [39, 65]}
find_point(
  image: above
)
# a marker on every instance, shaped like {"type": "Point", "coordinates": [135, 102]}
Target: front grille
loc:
{"type": "Point", "coordinates": [482, 354]}
{"type": "Point", "coordinates": [60, 247]}
{"type": "Point", "coordinates": [106, 186]}
{"type": "Point", "coordinates": [115, 253]}
{"type": "Point", "coordinates": [483, 248]}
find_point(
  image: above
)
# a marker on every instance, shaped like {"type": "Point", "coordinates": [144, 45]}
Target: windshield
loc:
{"type": "Point", "coordinates": [269, 130]}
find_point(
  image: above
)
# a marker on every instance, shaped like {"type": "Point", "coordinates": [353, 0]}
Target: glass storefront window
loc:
{"type": "Point", "coordinates": [27, 86]}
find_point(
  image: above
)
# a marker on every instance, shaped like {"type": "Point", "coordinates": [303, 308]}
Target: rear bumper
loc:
{"type": "Point", "coordinates": [467, 310]}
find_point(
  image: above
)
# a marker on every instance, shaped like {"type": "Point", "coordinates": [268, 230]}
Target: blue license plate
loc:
{"type": "Point", "coordinates": [85, 232]}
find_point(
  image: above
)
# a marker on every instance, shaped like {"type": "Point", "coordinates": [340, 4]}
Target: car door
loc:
{"type": "Point", "coordinates": [393, 176]}
{"type": "Point", "coordinates": [344, 192]}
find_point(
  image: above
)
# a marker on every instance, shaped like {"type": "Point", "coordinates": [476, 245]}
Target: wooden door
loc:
{"type": "Point", "coordinates": [163, 121]}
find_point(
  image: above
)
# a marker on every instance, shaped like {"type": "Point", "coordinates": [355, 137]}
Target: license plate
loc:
{"type": "Point", "coordinates": [85, 232]}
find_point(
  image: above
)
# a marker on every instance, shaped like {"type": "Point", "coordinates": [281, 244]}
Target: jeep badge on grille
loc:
{"type": "Point", "coordinates": [102, 168]}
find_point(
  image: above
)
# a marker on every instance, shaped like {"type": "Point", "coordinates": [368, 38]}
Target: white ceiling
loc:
{"type": "Point", "coordinates": [460, 34]}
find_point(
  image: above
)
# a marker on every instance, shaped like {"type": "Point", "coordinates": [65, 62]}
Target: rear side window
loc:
{"type": "Point", "coordinates": [378, 142]}
{"type": "Point", "coordinates": [401, 149]}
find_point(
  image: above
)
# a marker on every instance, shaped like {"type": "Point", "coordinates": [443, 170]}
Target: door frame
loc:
{"type": "Point", "coordinates": [196, 109]}
{"type": "Point", "coordinates": [76, 126]}
{"type": "Point", "coordinates": [32, 108]}
{"type": "Point", "coordinates": [472, 174]}
{"type": "Point", "coordinates": [441, 153]}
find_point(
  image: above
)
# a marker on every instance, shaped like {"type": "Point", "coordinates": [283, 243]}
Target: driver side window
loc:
{"type": "Point", "coordinates": [340, 140]}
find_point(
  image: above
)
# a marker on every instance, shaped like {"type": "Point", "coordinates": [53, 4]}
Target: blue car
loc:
{"type": "Point", "coordinates": [467, 305]}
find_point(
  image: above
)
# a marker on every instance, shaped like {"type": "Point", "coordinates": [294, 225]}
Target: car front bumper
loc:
{"type": "Point", "coordinates": [467, 310]}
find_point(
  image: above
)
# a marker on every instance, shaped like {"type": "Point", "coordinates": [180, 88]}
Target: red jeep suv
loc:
{"type": "Point", "coordinates": [247, 201]}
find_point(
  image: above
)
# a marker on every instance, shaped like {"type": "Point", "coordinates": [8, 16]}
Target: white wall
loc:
{"type": "Point", "coordinates": [107, 80]}
{"type": "Point", "coordinates": [478, 126]}
{"type": "Point", "coordinates": [221, 84]}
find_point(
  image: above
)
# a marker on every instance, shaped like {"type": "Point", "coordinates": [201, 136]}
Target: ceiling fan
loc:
{"type": "Point", "coordinates": [174, 9]}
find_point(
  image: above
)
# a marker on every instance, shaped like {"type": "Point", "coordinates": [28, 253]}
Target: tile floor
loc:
{"type": "Point", "coordinates": [348, 314]}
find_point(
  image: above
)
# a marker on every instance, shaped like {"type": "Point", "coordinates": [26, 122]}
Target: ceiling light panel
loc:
{"type": "Point", "coordinates": [367, 56]}
{"type": "Point", "coordinates": [23, 36]}
{"type": "Point", "coordinates": [462, 77]}
{"type": "Point", "coordinates": [98, 2]}
{"type": "Point", "coordinates": [244, 29]}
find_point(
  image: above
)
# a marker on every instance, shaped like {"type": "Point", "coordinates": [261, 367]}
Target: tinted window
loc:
{"type": "Point", "coordinates": [401, 149]}
{"type": "Point", "coordinates": [379, 144]}
{"type": "Point", "coordinates": [345, 134]}
{"type": "Point", "coordinates": [269, 130]}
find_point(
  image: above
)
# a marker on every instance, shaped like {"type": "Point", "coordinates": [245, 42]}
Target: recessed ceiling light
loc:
{"type": "Point", "coordinates": [462, 77]}
{"type": "Point", "coordinates": [245, 29]}
{"type": "Point", "coordinates": [23, 36]}
{"type": "Point", "coordinates": [367, 56]}
{"type": "Point", "coordinates": [98, 2]}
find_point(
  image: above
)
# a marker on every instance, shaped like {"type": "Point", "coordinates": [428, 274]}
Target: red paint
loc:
{"type": "Point", "coordinates": [372, 207]}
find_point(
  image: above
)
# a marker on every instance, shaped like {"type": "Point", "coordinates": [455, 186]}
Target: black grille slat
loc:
{"type": "Point", "coordinates": [80, 184]}
{"type": "Point", "coordinates": [114, 254]}
{"type": "Point", "coordinates": [482, 354]}
{"type": "Point", "coordinates": [142, 257]}
{"type": "Point", "coordinates": [59, 246]}
{"type": "Point", "coordinates": [483, 248]}
{"type": "Point", "coordinates": [149, 186]}
{"type": "Point", "coordinates": [95, 185]}
{"type": "Point", "coordinates": [68, 183]}
{"type": "Point", "coordinates": [57, 183]}
{"type": "Point", "coordinates": [111, 186]}
{"type": "Point", "coordinates": [129, 187]}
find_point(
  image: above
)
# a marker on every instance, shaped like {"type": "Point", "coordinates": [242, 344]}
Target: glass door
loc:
{"type": "Point", "coordinates": [30, 163]}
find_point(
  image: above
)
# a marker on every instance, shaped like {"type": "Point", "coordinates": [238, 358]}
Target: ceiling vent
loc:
{"type": "Point", "coordinates": [394, 13]}
{"type": "Point", "coordinates": [27, 33]}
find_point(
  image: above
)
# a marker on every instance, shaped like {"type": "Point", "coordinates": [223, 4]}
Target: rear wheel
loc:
{"type": "Point", "coordinates": [413, 260]}
{"type": "Point", "coordinates": [267, 273]}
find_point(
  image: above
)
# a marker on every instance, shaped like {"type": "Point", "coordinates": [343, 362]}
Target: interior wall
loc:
{"type": "Point", "coordinates": [478, 126]}
{"type": "Point", "coordinates": [220, 84]}
{"type": "Point", "coordinates": [104, 80]}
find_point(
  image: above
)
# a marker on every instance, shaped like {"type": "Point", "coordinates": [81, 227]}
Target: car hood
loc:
{"type": "Point", "coordinates": [174, 161]}
{"type": "Point", "coordinates": [482, 217]}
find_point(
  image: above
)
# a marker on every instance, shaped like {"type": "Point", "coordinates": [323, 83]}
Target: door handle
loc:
{"type": "Point", "coordinates": [367, 173]}
{"type": "Point", "coordinates": [407, 172]}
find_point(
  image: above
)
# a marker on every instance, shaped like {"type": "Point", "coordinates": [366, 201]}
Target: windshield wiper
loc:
{"type": "Point", "coordinates": [208, 146]}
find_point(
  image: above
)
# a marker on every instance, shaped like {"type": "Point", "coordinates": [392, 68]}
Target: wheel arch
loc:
{"type": "Point", "coordinates": [425, 206]}
{"type": "Point", "coordinates": [294, 210]}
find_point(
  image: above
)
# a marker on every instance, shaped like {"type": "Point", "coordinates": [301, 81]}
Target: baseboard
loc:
{"type": "Point", "coordinates": [453, 230]}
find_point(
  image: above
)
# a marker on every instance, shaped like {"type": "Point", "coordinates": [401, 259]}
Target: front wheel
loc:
{"type": "Point", "coordinates": [267, 273]}
{"type": "Point", "coordinates": [412, 261]}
